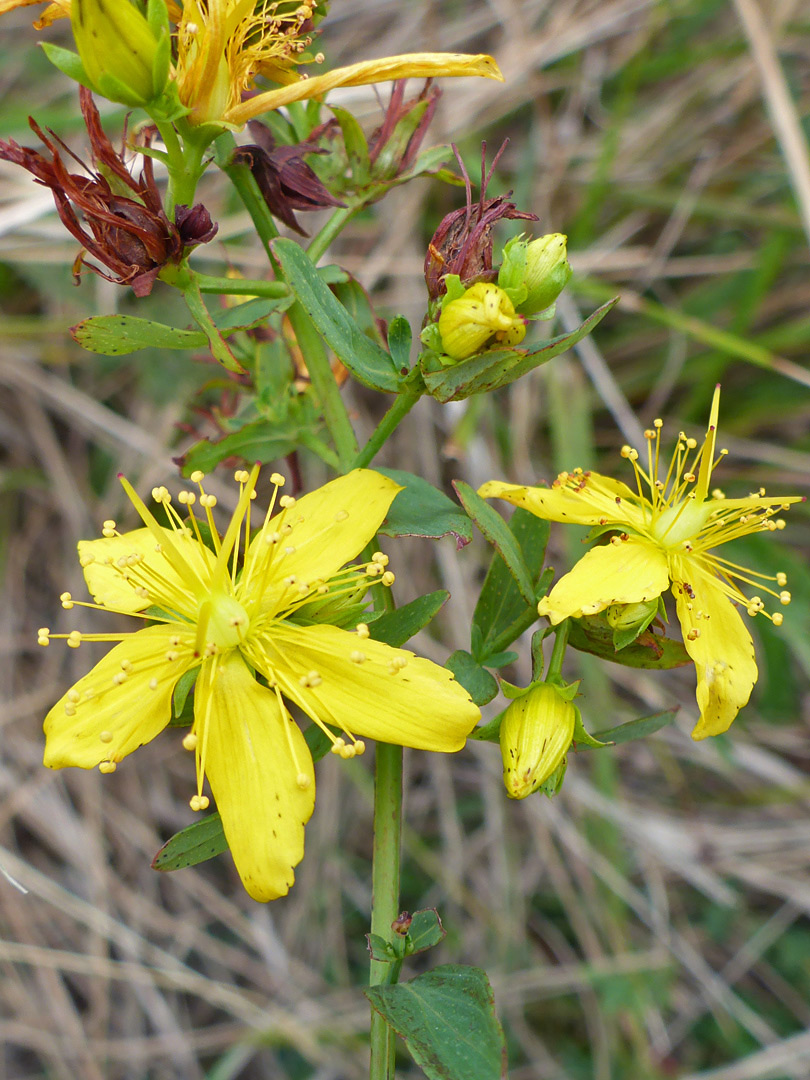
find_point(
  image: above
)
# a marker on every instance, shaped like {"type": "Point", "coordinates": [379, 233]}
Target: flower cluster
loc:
{"type": "Point", "coordinates": [663, 535]}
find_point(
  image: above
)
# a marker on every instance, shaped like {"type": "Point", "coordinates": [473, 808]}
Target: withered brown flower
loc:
{"type": "Point", "coordinates": [285, 180]}
{"type": "Point", "coordinates": [462, 244]}
{"type": "Point", "coordinates": [123, 224]}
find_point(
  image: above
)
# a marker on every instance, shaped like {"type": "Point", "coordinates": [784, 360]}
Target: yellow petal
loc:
{"type": "Point", "coordinates": [627, 572]}
{"type": "Point", "coordinates": [419, 705]}
{"type": "Point", "coordinates": [599, 500]}
{"type": "Point", "coordinates": [407, 66]}
{"type": "Point", "coordinates": [718, 641]}
{"type": "Point", "coordinates": [109, 587]}
{"type": "Point", "coordinates": [261, 775]}
{"type": "Point", "coordinates": [104, 717]}
{"type": "Point", "coordinates": [330, 526]}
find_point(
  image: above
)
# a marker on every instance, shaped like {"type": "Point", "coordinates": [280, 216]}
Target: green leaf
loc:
{"type": "Point", "coordinates": [594, 635]}
{"type": "Point", "coordinates": [180, 714]}
{"type": "Point", "coordinates": [500, 604]}
{"type": "Point", "coordinates": [396, 627]}
{"type": "Point", "coordinates": [259, 441]}
{"type": "Point", "coordinates": [582, 737]}
{"type": "Point", "coordinates": [638, 729]}
{"type": "Point", "coordinates": [366, 360]}
{"type": "Point", "coordinates": [68, 62]}
{"type": "Point", "coordinates": [423, 510]}
{"type": "Point", "coordinates": [117, 335]}
{"type": "Point", "coordinates": [400, 336]}
{"type": "Point", "coordinates": [252, 313]}
{"type": "Point", "coordinates": [447, 1019]}
{"type": "Point", "coordinates": [476, 680]}
{"type": "Point", "coordinates": [425, 931]}
{"type": "Point", "coordinates": [381, 950]}
{"type": "Point", "coordinates": [318, 742]}
{"type": "Point", "coordinates": [356, 146]}
{"type": "Point", "coordinates": [194, 844]}
{"type": "Point", "coordinates": [498, 367]}
{"type": "Point", "coordinates": [497, 532]}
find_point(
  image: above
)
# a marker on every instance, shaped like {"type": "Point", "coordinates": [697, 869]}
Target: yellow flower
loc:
{"type": "Point", "coordinates": [223, 45]}
{"type": "Point", "coordinates": [667, 531]}
{"type": "Point", "coordinates": [232, 618]}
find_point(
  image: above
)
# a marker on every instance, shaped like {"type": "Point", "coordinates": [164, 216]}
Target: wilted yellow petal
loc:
{"type": "Point", "coordinates": [407, 66]}
{"type": "Point", "coordinates": [330, 526]}
{"type": "Point", "coordinates": [367, 688]}
{"type": "Point", "coordinates": [124, 702]}
{"type": "Point", "coordinates": [261, 775]}
{"type": "Point", "coordinates": [718, 641]}
{"type": "Point", "coordinates": [626, 572]}
{"type": "Point", "coordinates": [597, 500]}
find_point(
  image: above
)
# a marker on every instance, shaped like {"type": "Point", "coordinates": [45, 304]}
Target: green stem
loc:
{"type": "Point", "coordinates": [323, 382]}
{"type": "Point", "coordinates": [248, 191]}
{"type": "Point", "coordinates": [398, 411]}
{"type": "Point", "coordinates": [321, 241]}
{"type": "Point", "coordinates": [225, 286]}
{"type": "Point", "coordinates": [385, 894]}
{"type": "Point", "coordinates": [554, 671]}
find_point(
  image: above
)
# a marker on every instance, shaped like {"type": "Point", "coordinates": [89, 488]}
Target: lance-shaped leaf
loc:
{"type": "Point", "coordinates": [258, 441]}
{"type": "Point", "coordinates": [396, 627]}
{"type": "Point", "coordinates": [594, 635]}
{"type": "Point", "coordinates": [500, 604]}
{"type": "Point", "coordinates": [117, 335]}
{"type": "Point", "coordinates": [447, 1019]}
{"type": "Point", "coordinates": [497, 532]}
{"type": "Point", "coordinates": [637, 729]}
{"type": "Point", "coordinates": [368, 362]}
{"type": "Point", "coordinates": [498, 367]}
{"type": "Point", "coordinates": [420, 509]}
{"type": "Point", "coordinates": [474, 677]}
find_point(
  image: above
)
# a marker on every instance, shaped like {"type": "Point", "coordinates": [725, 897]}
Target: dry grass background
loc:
{"type": "Point", "coordinates": [652, 921]}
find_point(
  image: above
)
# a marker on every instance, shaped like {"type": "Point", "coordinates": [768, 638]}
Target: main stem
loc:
{"type": "Point", "coordinates": [385, 890]}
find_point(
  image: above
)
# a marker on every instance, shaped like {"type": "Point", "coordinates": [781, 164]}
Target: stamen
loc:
{"type": "Point", "coordinates": [107, 767]}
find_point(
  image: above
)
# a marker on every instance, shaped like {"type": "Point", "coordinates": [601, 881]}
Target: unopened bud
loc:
{"type": "Point", "coordinates": [547, 272]}
{"type": "Point", "coordinates": [536, 733]}
{"type": "Point", "coordinates": [629, 616]}
{"type": "Point", "coordinates": [119, 51]}
{"type": "Point", "coordinates": [482, 314]}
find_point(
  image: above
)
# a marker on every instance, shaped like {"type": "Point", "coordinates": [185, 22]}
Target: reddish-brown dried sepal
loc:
{"type": "Point", "coordinates": [462, 244]}
{"type": "Point", "coordinates": [123, 224]}
{"type": "Point", "coordinates": [285, 180]}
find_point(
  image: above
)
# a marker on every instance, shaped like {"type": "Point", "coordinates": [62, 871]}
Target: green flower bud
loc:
{"type": "Point", "coordinates": [483, 313]}
{"type": "Point", "coordinates": [629, 616]}
{"type": "Point", "coordinates": [118, 50]}
{"type": "Point", "coordinates": [536, 733]}
{"type": "Point", "coordinates": [547, 272]}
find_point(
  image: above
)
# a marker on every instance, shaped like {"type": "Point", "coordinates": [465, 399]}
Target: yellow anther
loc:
{"type": "Point", "coordinates": [693, 634]}
{"type": "Point", "coordinates": [70, 709]}
{"type": "Point", "coordinates": [322, 590]}
{"type": "Point", "coordinates": [781, 579]}
{"type": "Point", "coordinates": [153, 683]}
{"type": "Point", "coordinates": [718, 494]}
{"type": "Point", "coordinates": [691, 444]}
{"type": "Point", "coordinates": [67, 601]}
{"type": "Point", "coordinates": [74, 639]}
{"type": "Point", "coordinates": [272, 537]}
{"type": "Point", "coordinates": [198, 802]}
{"type": "Point", "coordinates": [303, 781]}
{"type": "Point", "coordinates": [780, 523]}
{"type": "Point", "coordinates": [625, 452]}
{"type": "Point", "coordinates": [73, 695]}
{"type": "Point", "coordinates": [379, 557]}
{"type": "Point", "coordinates": [303, 588]}
{"type": "Point", "coordinates": [190, 741]}
{"type": "Point", "coordinates": [105, 736]}
{"type": "Point", "coordinates": [108, 527]}
{"type": "Point", "coordinates": [197, 476]}
{"type": "Point", "coordinates": [362, 630]}
{"type": "Point", "coordinates": [171, 656]}
{"type": "Point", "coordinates": [277, 479]}
{"type": "Point", "coordinates": [347, 752]}
{"type": "Point", "coordinates": [289, 581]}
{"type": "Point", "coordinates": [357, 657]}
{"type": "Point", "coordinates": [784, 597]}
{"type": "Point", "coordinates": [44, 636]}
{"type": "Point", "coordinates": [777, 618]}
{"type": "Point", "coordinates": [388, 578]}
{"type": "Point", "coordinates": [126, 665]}
{"type": "Point", "coordinates": [241, 476]}
{"type": "Point", "coordinates": [289, 549]}
{"type": "Point", "coordinates": [658, 423]}
{"type": "Point", "coordinates": [649, 434]}
{"type": "Point", "coordinates": [161, 494]}
{"type": "Point", "coordinates": [119, 678]}
{"type": "Point", "coordinates": [338, 745]}
{"type": "Point", "coordinates": [107, 767]}
{"type": "Point", "coordinates": [286, 501]}
{"type": "Point", "coordinates": [187, 498]}
{"type": "Point", "coordinates": [359, 747]}
{"type": "Point", "coordinates": [208, 501]}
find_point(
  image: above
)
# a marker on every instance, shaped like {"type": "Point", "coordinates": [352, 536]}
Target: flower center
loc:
{"type": "Point", "coordinates": [681, 522]}
{"type": "Point", "coordinates": [228, 621]}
